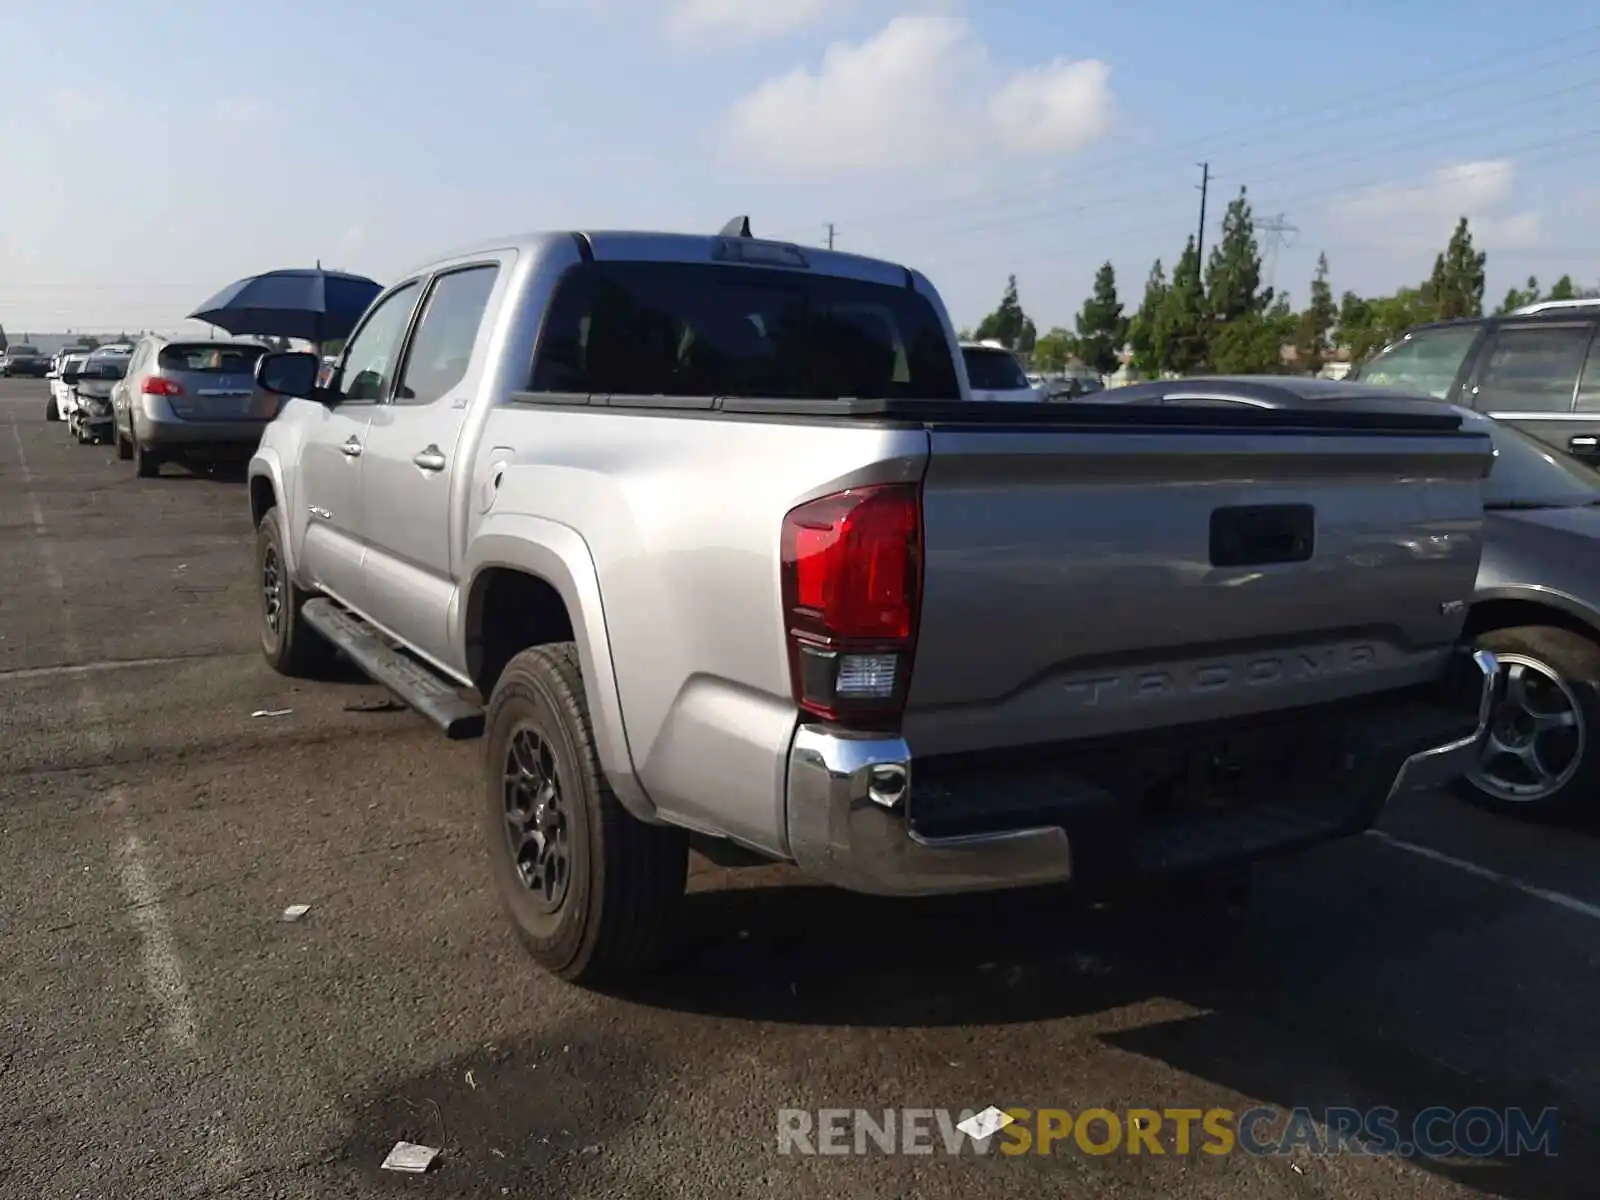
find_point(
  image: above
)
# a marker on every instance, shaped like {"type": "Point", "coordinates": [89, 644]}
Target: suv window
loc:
{"type": "Point", "coordinates": [1589, 384]}
{"type": "Point", "coordinates": [209, 358]}
{"type": "Point", "coordinates": [992, 370]}
{"type": "Point", "coordinates": [1426, 361]}
{"type": "Point", "coordinates": [680, 329]}
{"type": "Point", "coordinates": [1532, 368]}
{"type": "Point", "coordinates": [370, 358]}
{"type": "Point", "coordinates": [441, 349]}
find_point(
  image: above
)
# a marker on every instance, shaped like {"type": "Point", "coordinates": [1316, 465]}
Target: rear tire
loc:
{"type": "Point", "coordinates": [610, 909]}
{"type": "Point", "coordinates": [145, 464]}
{"type": "Point", "coordinates": [124, 447]}
{"type": "Point", "coordinates": [1534, 766]}
{"type": "Point", "coordinates": [52, 410]}
{"type": "Point", "coordinates": [290, 646]}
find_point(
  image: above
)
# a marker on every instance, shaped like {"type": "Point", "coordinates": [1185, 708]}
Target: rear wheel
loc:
{"type": "Point", "coordinates": [145, 464]}
{"type": "Point", "coordinates": [124, 447]}
{"type": "Point", "coordinates": [1540, 760]}
{"type": "Point", "coordinates": [52, 410]}
{"type": "Point", "coordinates": [594, 892]}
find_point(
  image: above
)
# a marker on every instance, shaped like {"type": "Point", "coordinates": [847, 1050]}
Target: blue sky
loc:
{"type": "Point", "coordinates": [154, 154]}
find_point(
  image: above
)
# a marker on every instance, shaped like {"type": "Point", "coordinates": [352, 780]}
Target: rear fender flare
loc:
{"type": "Point", "coordinates": [558, 555]}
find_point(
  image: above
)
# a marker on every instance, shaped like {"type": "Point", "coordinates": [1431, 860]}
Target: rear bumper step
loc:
{"type": "Point", "coordinates": [418, 686]}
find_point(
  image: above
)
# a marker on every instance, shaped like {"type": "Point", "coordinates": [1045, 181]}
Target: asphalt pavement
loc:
{"type": "Point", "coordinates": [163, 1032]}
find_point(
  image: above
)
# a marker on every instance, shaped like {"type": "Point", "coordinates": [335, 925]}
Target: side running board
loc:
{"type": "Point", "coordinates": [419, 687]}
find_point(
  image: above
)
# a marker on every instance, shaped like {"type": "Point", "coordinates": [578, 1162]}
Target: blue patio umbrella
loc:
{"type": "Point", "coordinates": [307, 303]}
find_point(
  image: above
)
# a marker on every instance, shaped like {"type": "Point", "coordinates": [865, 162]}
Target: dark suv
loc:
{"type": "Point", "coordinates": [24, 360]}
{"type": "Point", "coordinates": [1537, 368]}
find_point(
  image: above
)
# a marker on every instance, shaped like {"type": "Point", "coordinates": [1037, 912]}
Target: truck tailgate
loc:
{"type": "Point", "coordinates": [1089, 582]}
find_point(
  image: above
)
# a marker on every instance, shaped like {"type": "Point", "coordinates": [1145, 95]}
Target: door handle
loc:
{"type": "Point", "coordinates": [351, 448]}
{"type": "Point", "coordinates": [1584, 443]}
{"type": "Point", "coordinates": [431, 459]}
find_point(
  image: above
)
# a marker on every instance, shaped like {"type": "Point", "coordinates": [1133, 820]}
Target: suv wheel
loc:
{"type": "Point", "coordinates": [1540, 758]}
{"type": "Point", "coordinates": [145, 464]}
{"type": "Point", "coordinates": [594, 892]}
{"type": "Point", "coordinates": [52, 410]}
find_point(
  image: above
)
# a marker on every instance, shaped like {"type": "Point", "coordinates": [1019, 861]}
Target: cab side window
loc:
{"type": "Point", "coordinates": [441, 349]}
{"type": "Point", "coordinates": [1531, 368]}
{"type": "Point", "coordinates": [372, 357]}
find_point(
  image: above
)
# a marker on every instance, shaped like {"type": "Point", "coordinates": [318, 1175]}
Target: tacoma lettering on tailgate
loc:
{"type": "Point", "coordinates": [1222, 675]}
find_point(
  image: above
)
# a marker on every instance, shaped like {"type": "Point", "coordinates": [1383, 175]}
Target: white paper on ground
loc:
{"type": "Point", "coordinates": [408, 1156]}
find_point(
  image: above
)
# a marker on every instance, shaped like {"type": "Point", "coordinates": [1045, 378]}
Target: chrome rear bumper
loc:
{"type": "Point", "coordinates": [848, 797]}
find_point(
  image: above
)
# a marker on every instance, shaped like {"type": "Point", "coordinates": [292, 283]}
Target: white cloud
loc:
{"type": "Point", "coordinates": [1422, 214]}
{"type": "Point", "coordinates": [922, 89]}
{"type": "Point", "coordinates": [744, 20]}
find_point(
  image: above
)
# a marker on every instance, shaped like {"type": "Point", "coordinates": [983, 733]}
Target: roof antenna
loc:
{"type": "Point", "coordinates": [739, 227]}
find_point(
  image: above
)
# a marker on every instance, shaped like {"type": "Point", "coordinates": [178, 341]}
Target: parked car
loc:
{"type": "Point", "coordinates": [1536, 605]}
{"type": "Point", "coordinates": [994, 373]}
{"type": "Point", "coordinates": [1072, 387]}
{"type": "Point", "coordinates": [91, 419]}
{"type": "Point", "coordinates": [190, 402]}
{"type": "Point", "coordinates": [24, 361]}
{"type": "Point", "coordinates": [63, 400]}
{"type": "Point", "coordinates": [1537, 368]}
{"type": "Point", "coordinates": [704, 537]}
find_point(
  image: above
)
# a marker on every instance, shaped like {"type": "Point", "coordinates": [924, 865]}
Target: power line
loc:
{"type": "Point", "coordinates": [1335, 112]}
{"type": "Point", "coordinates": [1281, 168]}
{"type": "Point", "coordinates": [1537, 151]}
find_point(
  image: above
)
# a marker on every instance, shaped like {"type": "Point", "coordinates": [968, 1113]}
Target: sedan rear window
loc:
{"type": "Point", "coordinates": [679, 329]}
{"type": "Point", "coordinates": [208, 358]}
{"type": "Point", "coordinates": [992, 370]}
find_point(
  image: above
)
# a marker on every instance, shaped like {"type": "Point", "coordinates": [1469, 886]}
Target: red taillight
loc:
{"type": "Point", "coordinates": [852, 583]}
{"type": "Point", "coordinates": [154, 385]}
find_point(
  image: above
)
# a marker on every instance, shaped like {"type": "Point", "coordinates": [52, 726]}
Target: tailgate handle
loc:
{"type": "Point", "coordinates": [1260, 535]}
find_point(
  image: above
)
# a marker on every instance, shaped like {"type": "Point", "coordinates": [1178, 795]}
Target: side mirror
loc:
{"type": "Point", "coordinates": [288, 374]}
{"type": "Point", "coordinates": [71, 375]}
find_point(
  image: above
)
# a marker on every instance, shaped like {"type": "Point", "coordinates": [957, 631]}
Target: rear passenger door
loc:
{"type": "Point", "coordinates": [1529, 375]}
{"type": "Point", "coordinates": [414, 477]}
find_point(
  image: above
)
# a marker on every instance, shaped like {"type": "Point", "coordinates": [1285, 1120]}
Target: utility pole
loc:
{"type": "Point", "coordinates": [1280, 234]}
{"type": "Point", "coordinates": [1200, 238]}
{"type": "Point", "coordinates": [830, 235]}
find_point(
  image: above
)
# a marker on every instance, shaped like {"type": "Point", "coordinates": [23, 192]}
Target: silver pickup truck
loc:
{"type": "Point", "coordinates": [708, 541]}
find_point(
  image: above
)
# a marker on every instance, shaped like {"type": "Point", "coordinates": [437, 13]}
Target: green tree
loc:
{"type": "Point", "coordinates": [1183, 325]}
{"type": "Point", "coordinates": [1052, 351]}
{"type": "Point", "coordinates": [1102, 329]}
{"type": "Point", "coordinates": [1564, 289]}
{"type": "Point", "coordinates": [1458, 274]}
{"type": "Point", "coordinates": [1029, 337]}
{"type": "Point", "coordinates": [1147, 355]}
{"type": "Point", "coordinates": [1241, 336]}
{"type": "Point", "coordinates": [1233, 275]}
{"type": "Point", "coordinates": [1517, 297]}
{"type": "Point", "coordinates": [1315, 325]}
{"type": "Point", "coordinates": [1006, 324]}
